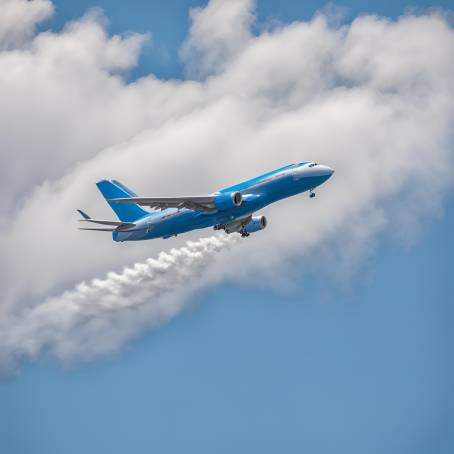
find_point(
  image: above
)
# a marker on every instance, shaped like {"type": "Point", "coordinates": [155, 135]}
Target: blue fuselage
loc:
{"type": "Point", "coordinates": [257, 193]}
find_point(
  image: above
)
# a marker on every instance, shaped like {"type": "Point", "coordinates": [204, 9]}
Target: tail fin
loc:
{"type": "Point", "coordinates": [126, 212]}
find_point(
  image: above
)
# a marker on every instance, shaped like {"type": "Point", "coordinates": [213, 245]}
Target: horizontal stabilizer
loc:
{"type": "Point", "coordinates": [117, 225]}
{"type": "Point", "coordinates": [113, 223]}
{"type": "Point", "coordinates": [97, 230]}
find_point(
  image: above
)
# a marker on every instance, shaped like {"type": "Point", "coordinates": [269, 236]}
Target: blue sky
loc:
{"type": "Point", "coordinates": [368, 369]}
{"type": "Point", "coordinates": [360, 368]}
{"type": "Point", "coordinates": [168, 21]}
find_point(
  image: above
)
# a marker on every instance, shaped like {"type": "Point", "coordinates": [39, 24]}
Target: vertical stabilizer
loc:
{"type": "Point", "coordinates": [126, 212]}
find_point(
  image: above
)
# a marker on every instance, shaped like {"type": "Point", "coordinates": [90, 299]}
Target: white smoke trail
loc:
{"type": "Point", "coordinates": [98, 317]}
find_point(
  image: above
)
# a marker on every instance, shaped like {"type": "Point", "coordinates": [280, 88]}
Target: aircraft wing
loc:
{"type": "Point", "coordinates": [237, 224]}
{"type": "Point", "coordinates": [197, 203]}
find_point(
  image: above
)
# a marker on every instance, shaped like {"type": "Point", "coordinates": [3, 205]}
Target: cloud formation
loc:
{"type": "Point", "coordinates": [373, 99]}
{"type": "Point", "coordinates": [19, 18]}
{"type": "Point", "coordinates": [217, 33]}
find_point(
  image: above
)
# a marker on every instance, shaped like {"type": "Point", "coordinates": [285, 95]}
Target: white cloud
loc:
{"type": "Point", "coordinates": [19, 18]}
{"type": "Point", "coordinates": [62, 101]}
{"type": "Point", "coordinates": [373, 99]}
{"type": "Point", "coordinates": [218, 31]}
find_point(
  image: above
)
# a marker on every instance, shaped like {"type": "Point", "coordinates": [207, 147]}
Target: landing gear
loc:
{"type": "Point", "coordinates": [243, 233]}
{"type": "Point", "coordinates": [219, 227]}
{"type": "Point", "coordinates": [311, 194]}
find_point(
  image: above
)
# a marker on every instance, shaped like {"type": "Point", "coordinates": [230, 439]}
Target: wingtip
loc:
{"type": "Point", "coordinates": [84, 215]}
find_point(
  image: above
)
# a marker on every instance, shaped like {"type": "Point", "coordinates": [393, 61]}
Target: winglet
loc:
{"type": "Point", "coordinates": [84, 215]}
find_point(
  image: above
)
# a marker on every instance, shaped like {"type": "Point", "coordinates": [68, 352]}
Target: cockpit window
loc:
{"type": "Point", "coordinates": [313, 164]}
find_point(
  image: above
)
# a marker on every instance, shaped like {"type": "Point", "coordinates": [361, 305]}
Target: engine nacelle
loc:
{"type": "Point", "coordinates": [255, 224]}
{"type": "Point", "coordinates": [227, 200]}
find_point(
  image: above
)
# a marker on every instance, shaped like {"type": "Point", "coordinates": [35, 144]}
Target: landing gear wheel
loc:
{"type": "Point", "coordinates": [244, 234]}
{"type": "Point", "coordinates": [312, 195]}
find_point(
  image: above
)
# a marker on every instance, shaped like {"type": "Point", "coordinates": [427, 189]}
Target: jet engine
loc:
{"type": "Point", "coordinates": [255, 224]}
{"type": "Point", "coordinates": [227, 200]}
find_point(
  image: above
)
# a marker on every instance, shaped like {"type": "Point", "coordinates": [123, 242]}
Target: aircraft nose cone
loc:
{"type": "Point", "coordinates": [327, 171]}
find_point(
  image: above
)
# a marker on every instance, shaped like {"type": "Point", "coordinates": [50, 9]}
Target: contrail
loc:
{"type": "Point", "coordinates": [99, 316]}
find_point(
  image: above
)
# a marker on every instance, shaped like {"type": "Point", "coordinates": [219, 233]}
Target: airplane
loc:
{"type": "Point", "coordinates": [230, 209]}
